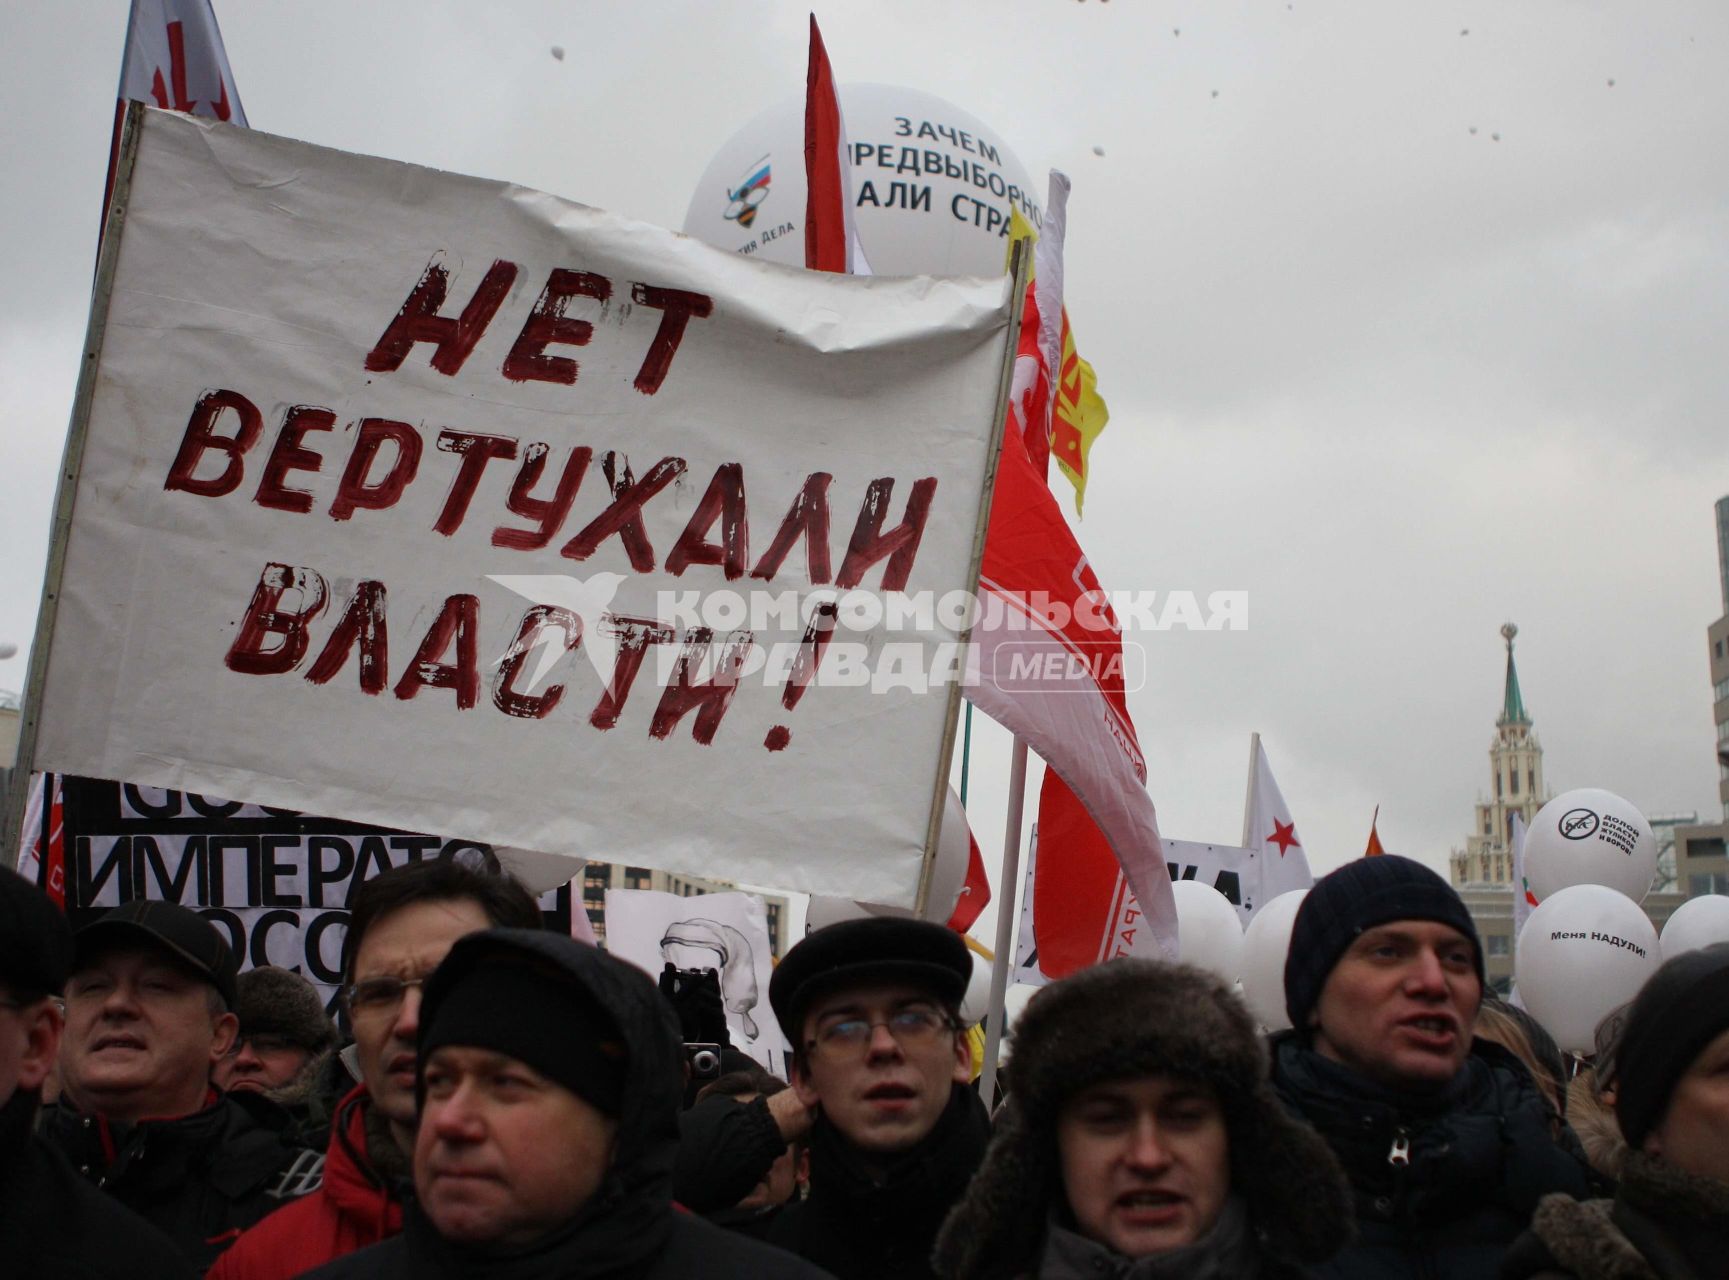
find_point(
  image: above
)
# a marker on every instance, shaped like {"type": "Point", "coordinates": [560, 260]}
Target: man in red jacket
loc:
{"type": "Point", "coordinates": [402, 923]}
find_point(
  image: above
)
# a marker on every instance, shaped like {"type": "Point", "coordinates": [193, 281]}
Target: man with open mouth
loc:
{"type": "Point", "coordinates": [1141, 1139]}
{"type": "Point", "coordinates": [871, 1008]}
{"type": "Point", "coordinates": [1446, 1139]}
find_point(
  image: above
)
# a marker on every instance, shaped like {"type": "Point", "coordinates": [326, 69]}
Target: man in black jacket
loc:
{"type": "Point", "coordinates": [147, 1020]}
{"type": "Point", "coordinates": [52, 1223]}
{"type": "Point", "coordinates": [871, 1009]}
{"type": "Point", "coordinates": [1446, 1140]}
{"type": "Point", "coordinates": [549, 1077]}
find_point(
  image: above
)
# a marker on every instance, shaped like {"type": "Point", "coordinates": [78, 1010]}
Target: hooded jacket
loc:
{"type": "Point", "coordinates": [1663, 1224]}
{"type": "Point", "coordinates": [53, 1223]}
{"type": "Point", "coordinates": [629, 1229]}
{"type": "Point", "coordinates": [359, 1204]}
{"type": "Point", "coordinates": [202, 1178]}
{"type": "Point", "coordinates": [1125, 1020]}
{"type": "Point", "coordinates": [1443, 1183]}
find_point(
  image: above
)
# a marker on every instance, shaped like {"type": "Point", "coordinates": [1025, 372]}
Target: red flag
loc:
{"type": "Point", "coordinates": [44, 837]}
{"type": "Point", "coordinates": [830, 240]}
{"type": "Point", "coordinates": [1374, 850]}
{"type": "Point", "coordinates": [173, 59]}
{"type": "Point", "coordinates": [1081, 900]}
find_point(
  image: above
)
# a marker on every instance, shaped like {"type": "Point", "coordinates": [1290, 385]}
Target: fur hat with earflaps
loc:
{"type": "Point", "coordinates": [1121, 1020]}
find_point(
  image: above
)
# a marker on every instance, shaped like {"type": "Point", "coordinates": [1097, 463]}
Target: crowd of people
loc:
{"type": "Point", "coordinates": [511, 1104]}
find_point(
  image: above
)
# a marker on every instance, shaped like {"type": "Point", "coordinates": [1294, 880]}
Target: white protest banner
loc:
{"type": "Point", "coordinates": [275, 883]}
{"type": "Point", "coordinates": [426, 501]}
{"type": "Point", "coordinates": [726, 932]}
{"type": "Point", "coordinates": [1224, 867]}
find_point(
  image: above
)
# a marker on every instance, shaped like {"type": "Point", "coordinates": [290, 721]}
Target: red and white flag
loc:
{"type": "Point", "coordinates": [174, 59]}
{"type": "Point", "coordinates": [1271, 833]}
{"type": "Point", "coordinates": [1047, 664]}
{"type": "Point", "coordinates": [42, 858]}
{"type": "Point", "coordinates": [975, 890]}
{"type": "Point", "coordinates": [831, 240]}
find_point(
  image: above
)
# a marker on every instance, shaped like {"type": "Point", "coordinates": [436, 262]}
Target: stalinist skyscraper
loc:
{"type": "Point", "coordinates": [1516, 763]}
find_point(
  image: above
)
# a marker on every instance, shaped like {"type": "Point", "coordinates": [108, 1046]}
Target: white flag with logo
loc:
{"type": "Point", "coordinates": [1271, 833]}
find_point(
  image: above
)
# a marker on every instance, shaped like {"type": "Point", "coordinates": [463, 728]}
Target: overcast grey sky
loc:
{"type": "Point", "coordinates": [1398, 378]}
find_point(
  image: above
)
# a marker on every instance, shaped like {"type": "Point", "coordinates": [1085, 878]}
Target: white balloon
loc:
{"type": "Point", "coordinates": [1266, 943]}
{"type": "Point", "coordinates": [1209, 931]}
{"type": "Point", "coordinates": [1590, 836]}
{"type": "Point", "coordinates": [751, 197]}
{"type": "Point", "coordinates": [1698, 922]}
{"type": "Point", "coordinates": [977, 1000]}
{"type": "Point", "coordinates": [8, 650]}
{"type": "Point", "coordinates": [1582, 954]}
{"type": "Point", "coordinates": [822, 912]}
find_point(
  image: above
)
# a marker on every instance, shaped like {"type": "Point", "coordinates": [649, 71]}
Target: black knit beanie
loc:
{"type": "Point", "coordinates": [542, 1019]}
{"type": "Point", "coordinates": [1357, 897]}
{"type": "Point", "coordinates": [1676, 1014]}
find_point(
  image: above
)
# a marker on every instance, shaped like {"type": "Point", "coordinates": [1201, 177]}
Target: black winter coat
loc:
{"type": "Point", "coordinates": [593, 1247]}
{"type": "Point", "coordinates": [866, 1224]}
{"type": "Point", "coordinates": [724, 1149]}
{"type": "Point", "coordinates": [201, 1179]}
{"type": "Point", "coordinates": [1442, 1185]}
{"type": "Point", "coordinates": [53, 1223]}
{"type": "Point", "coordinates": [629, 1229]}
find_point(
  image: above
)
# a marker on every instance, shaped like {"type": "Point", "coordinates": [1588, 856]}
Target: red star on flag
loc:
{"type": "Point", "coordinates": [1284, 835]}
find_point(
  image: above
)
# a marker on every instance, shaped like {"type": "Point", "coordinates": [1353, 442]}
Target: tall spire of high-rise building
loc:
{"type": "Point", "coordinates": [1517, 790]}
{"type": "Point", "coordinates": [1512, 705]}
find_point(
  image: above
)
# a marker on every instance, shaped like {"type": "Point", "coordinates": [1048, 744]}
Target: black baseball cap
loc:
{"type": "Point", "coordinates": [874, 949]}
{"type": "Point", "coordinates": [167, 926]}
{"type": "Point", "coordinates": [35, 940]}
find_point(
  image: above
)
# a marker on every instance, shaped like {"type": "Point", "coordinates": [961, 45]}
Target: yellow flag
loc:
{"type": "Point", "coordinates": [1077, 416]}
{"type": "Point", "coordinates": [1019, 229]}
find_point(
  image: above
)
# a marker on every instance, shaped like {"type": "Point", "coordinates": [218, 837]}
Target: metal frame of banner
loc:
{"type": "Point", "coordinates": [1020, 273]}
{"type": "Point", "coordinates": [107, 260]}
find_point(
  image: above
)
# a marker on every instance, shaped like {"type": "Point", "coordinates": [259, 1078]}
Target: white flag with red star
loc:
{"type": "Point", "coordinates": [1271, 832]}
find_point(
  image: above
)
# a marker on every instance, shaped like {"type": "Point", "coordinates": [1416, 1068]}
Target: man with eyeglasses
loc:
{"type": "Point", "coordinates": [52, 1222]}
{"type": "Point", "coordinates": [147, 1021]}
{"type": "Point", "coordinates": [283, 1047]}
{"type": "Point", "coordinates": [871, 1007]}
{"type": "Point", "coordinates": [402, 923]}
